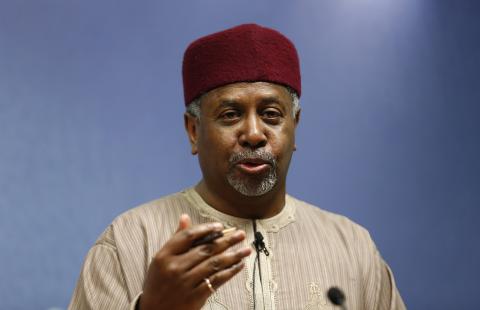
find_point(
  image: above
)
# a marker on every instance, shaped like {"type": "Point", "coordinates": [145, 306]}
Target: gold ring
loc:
{"type": "Point", "coordinates": [210, 287]}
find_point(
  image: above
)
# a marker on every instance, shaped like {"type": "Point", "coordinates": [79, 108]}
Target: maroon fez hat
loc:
{"type": "Point", "coordinates": [245, 53]}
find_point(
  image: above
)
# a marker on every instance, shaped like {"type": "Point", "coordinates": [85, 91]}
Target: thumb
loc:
{"type": "Point", "coordinates": [184, 222]}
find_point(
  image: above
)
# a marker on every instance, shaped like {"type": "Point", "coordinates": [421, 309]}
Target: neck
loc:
{"type": "Point", "coordinates": [236, 204]}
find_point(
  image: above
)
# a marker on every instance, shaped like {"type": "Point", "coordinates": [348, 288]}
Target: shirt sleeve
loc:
{"type": "Point", "coordinates": [101, 285]}
{"type": "Point", "coordinates": [388, 294]}
{"type": "Point", "coordinates": [381, 290]}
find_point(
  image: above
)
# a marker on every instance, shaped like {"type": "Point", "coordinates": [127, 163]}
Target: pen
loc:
{"type": "Point", "coordinates": [212, 236]}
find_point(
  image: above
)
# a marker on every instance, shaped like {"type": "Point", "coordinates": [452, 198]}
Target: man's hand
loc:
{"type": "Point", "coordinates": [175, 278]}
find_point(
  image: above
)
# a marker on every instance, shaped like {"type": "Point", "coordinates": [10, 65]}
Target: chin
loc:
{"type": "Point", "coordinates": [253, 188]}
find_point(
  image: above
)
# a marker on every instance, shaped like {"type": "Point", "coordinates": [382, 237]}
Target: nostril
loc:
{"type": "Point", "coordinates": [252, 138]}
{"type": "Point", "coordinates": [253, 144]}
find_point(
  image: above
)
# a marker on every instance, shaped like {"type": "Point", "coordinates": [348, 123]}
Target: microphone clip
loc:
{"type": "Point", "coordinates": [260, 244]}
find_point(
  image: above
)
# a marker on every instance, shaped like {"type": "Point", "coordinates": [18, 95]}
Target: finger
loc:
{"type": "Point", "coordinates": [202, 252]}
{"type": "Point", "coordinates": [183, 239]}
{"type": "Point", "coordinates": [216, 264]}
{"type": "Point", "coordinates": [184, 222]}
{"type": "Point", "coordinates": [218, 279]}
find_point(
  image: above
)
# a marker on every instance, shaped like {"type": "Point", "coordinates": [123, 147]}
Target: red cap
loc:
{"type": "Point", "coordinates": [246, 53]}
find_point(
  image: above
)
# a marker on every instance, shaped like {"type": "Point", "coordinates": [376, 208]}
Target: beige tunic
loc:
{"type": "Point", "coordinates": [310, 250]}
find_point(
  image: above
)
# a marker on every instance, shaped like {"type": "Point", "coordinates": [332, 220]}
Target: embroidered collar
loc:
{"type": "Point", "coordinates": [272, 224]}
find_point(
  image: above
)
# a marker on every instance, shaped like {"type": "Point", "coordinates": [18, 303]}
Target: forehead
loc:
{"type": "Point", "coordinates": [248, 91]}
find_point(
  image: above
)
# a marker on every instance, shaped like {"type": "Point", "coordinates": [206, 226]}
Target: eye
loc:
{"type": "Point", "coordinates": [230, 115]}
{"type": "Point", "coordinates": [271, 114]}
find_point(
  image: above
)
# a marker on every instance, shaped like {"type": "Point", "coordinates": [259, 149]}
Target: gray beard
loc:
{"type": "Point", "coordinates": [253, 186]}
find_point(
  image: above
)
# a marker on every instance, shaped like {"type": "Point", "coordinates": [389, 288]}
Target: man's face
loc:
{"type": "Point", "coordinates": [245, 137]}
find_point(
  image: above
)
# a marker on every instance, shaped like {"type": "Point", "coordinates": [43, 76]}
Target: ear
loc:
{"type": "Point", "coordinates": [191, 126]}
{"type": "Point", "coordinates": [297, 117]}
{"type": "Point", "coordinates": [297, 120]}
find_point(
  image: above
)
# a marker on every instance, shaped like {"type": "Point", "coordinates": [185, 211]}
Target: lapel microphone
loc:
{"type": "Point", "coordinates": [260, 244]}
{"type": "Point", "coordinates": [337, 297]}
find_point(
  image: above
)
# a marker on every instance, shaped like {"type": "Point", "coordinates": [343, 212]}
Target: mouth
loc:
{"type": "Point", "coordinates": [253, 165]}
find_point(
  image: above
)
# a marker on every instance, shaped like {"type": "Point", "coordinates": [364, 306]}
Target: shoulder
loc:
{"type": "Point", "coordinates": [161, 206]}
{"type": "Point", "coordinates": [159, 216]}
{"type": "Point", "coordinates": [137, 234]}
{"type": "Point", "coordinates": [333, 225]}
{"type": "Point", "coordinates": [354, 249]}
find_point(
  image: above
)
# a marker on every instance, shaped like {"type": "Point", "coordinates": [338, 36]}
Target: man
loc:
{"type": "Point", "coordinates": [241, 90]}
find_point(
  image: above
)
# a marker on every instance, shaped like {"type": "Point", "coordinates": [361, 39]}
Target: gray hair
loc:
{"type": "Point", "coordinates": [194, 107]}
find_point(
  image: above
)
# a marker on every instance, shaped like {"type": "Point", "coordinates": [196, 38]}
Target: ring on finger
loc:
{"type": "Point", "coordinates": [210, 286]}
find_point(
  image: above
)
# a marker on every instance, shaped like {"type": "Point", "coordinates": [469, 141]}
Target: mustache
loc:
{"type": "Point", "coordinates": [253, 154]}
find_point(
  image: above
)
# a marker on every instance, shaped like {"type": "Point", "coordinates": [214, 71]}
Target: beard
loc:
{"type": "Point", "coordinates": [253, 185]}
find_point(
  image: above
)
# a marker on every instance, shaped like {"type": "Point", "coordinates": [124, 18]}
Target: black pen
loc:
{"type": "Point", "coordinates": [212, 236]}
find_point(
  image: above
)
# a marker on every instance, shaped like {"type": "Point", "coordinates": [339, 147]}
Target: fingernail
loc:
{"type": "Point", "coordinates": [217, 226]}
{"type": "Point", "coordinates": [244, 251]}
{"type": "Point", "coordinates": [239, 265]}
{"type": "Point", "coordinates": [239, 234]}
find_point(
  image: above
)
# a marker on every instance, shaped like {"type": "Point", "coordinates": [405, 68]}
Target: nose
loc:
{"type": "Point", "coordinates": [252, 133]}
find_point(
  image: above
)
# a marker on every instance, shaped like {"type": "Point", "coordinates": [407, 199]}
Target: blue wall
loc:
{"type": "Point", "coordinates": [91, 125]}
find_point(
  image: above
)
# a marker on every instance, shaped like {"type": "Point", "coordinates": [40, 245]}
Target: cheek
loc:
{"type": "Point", "coordinates": [218, 142]}
{"type": "Point", "coordinates": [282, 143]}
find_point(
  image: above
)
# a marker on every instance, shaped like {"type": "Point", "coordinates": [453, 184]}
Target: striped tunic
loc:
{"type": "Point", "coordinates": [310, 250]}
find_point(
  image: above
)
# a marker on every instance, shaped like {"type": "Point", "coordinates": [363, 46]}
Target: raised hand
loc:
{"type": "Point", "coordinates": [179, 274]}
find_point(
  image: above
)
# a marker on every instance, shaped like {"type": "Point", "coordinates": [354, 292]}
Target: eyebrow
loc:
{"type": "Point", "coordinates": [272, 99]}
{"type": "Point", "coordinates": [226, 103]}
{"type": "Point", "coordinates": [229, 103]}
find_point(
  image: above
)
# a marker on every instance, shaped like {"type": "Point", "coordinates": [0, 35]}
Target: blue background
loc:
{"type": "Point", "coordinates": [91, 125]}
